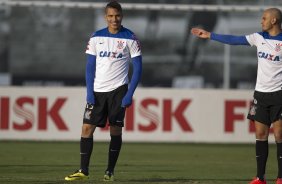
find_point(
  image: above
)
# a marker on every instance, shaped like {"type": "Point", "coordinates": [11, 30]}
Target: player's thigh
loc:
{"type": "Point", "coordinates": [87, 130]}
{"type": "Point", "coordinates": [277, 129]}
{"type": "Point", "coordinates": [275, 103]}
{"type": "Point", "coordinates": [262, 130]}
{"type": "Point", "coordinates": [276, 116]}
{"type": "Point", "coordinates": [259, 110]}
{"type": "Point", "coordinates": [97, 114]}
{"type": "Point", "coordinates": [276, 112]}
{"type": "Point", "coordinates": [116, 111]}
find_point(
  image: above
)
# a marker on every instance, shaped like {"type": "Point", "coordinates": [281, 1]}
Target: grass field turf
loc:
{"type": "Point", "coordinates": [50, 162]}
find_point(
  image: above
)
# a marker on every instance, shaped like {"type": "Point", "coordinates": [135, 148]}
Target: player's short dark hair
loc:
{"type": "Point", "coordinates": [276, 13]}
{"type": "Point", "coordinates": [115, 5]}
{"type": "Point", "coordinates": [278, 16]}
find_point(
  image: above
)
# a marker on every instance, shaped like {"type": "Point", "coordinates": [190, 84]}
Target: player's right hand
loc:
{"type": "Point", "coordinates": [89, 106]}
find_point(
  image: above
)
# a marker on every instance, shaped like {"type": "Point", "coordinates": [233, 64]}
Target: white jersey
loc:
{"type": "Point", "coordinates": [113, 54]}
{"type": "Point", "coordinates": [269, 53]}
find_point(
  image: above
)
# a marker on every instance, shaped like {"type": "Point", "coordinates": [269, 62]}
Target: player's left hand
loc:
{"type": "Point", "coordinates": [127, 100]}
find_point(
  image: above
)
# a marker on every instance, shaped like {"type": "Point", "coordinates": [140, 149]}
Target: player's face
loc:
{"type": "Point", "coordinates": [113, 18]}
{"type": "Point", "coordinates": [266, 19]}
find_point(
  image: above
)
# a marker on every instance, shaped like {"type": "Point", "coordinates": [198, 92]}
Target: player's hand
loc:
{"type": "Point", "coordinates": [89, 106]}
{"type": "Point", "coordinates": [127, 100]}
{"type": "Point", "coordinates": [200, 33]}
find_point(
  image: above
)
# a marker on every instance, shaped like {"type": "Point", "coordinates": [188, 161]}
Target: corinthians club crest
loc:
{"type": "Point", "coordinates": [120, 44]}
{"type": "Point", "coordinates": [278, 47]}
{"type": "Point", "coordinates": [253, 108]}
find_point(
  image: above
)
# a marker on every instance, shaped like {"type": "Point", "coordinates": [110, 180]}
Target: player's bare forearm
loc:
{"type": "Point", "coordinates": [201, 33]}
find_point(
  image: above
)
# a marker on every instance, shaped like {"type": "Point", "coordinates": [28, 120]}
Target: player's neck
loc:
{"type": "Point", "coordinates": [114, 31]}
{"type": "Point", "coordinates": [275, 31]}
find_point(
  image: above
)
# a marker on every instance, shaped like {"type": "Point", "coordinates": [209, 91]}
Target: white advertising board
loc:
{"type": "Point", "coordinates": [157, 115]}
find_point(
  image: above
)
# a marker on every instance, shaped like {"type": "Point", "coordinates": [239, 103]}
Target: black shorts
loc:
{"type": "Point", "coordinates": [266, 108]}
{"type": "Point", "coordinates": [107, 107]}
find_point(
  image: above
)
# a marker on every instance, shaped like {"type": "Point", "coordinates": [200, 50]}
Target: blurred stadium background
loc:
{"type": "Point", "coordinates": [42, 43]}
{"type": "Point", "coordinates": [42, 63]}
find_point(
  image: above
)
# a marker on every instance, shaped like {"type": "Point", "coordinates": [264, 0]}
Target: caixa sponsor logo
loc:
{"type": "Point", "coordinates": [110, 54]}
{"type": "Point", "coordinates": [26, 109]}
{"type": "Point", "coordinates": [269, 57]}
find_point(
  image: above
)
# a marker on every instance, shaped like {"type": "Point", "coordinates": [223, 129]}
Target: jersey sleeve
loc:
{"type": "Point", "coordinates": [135, 47]}
{"type": "Point", "coordinates": [229, 39]}
{"type": "Point", "coordinates": [252, 39]}
{"type": "Point", "coordinates": [91, 49]}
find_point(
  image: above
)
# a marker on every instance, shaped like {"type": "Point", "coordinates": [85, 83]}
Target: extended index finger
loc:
{"type": "Point", "coordinates": [195, 31]}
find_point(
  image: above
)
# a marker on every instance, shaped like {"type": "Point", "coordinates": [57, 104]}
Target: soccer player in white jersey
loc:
{"type": "Point", "coordinates": [109, 53]}
{"type": "Point", "coordinates": [266, 109]}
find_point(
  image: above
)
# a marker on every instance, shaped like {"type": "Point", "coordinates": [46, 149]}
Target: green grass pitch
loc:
{"type": "Point", "coordinates": [24, 162]}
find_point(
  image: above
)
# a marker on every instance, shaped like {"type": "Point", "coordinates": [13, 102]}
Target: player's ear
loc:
{"type": "Point", "coordinates": [273, 21]}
